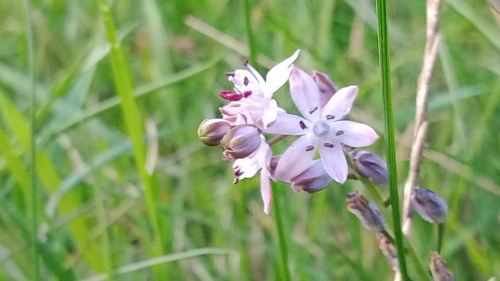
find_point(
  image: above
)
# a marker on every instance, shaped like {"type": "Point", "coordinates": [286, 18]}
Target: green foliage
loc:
{"type": "Point", "coordinates": [103, 68]}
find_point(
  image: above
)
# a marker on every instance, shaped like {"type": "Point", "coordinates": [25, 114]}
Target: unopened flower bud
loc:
{"type": "Point", "coordinates": [240, 142]}
{"type": "Point", "coordinates": [325, 85]}
{"type": "Point", "coordinates": [389, 250]}
{"type": "Point", "coordinates": [367, 211]}
{"type": "Point", "coordinates": [439, 269]}
{"type": "Point", "coordinates": [429, 206]}
{"type": "Point", "coordinates": [211, 131]}
{"type": "Point", "coordinates": [370, 165]}
{"type": "Point", "coordinates": [313, 179]}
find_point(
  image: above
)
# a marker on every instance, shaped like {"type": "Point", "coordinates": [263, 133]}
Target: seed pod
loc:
{"type": "Point", "coordinates": [367, 211]}
{"type": "Point", "coordinates": [429, 206]}
{"type": "Point", "coordinates": [211, 131]}
{"type": "Point", "coordinates": [240, 142]}
{"type": "Point", "coordinates": [439, 269]}
{"type": "Point", "coordinates": [370, 165]}
{"type": "Point", "coordinates": [389, 250]}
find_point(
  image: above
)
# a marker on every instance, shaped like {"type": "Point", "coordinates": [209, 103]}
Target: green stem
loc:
{"type": "Point", "coordinates": [440, 236]}
{"type": "Point", "coordinates": [34, 207]}
{"type": "Point", "coordinates": [251, 39]}
{"type": "Point", "coordinates": [389, 132]}
{"type": "Point", "coordinates": [281, 232]}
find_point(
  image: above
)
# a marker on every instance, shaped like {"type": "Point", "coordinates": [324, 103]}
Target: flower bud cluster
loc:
{"type": "Point", "coordinates": [251, 113]}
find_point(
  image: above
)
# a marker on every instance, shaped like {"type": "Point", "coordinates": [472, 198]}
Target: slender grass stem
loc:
{"type": "Point", "coordinates": [440, 236]}
{"type": "Point", "coordinates": [251, 39]}
{"type": "Point", "coordinates": [34, 207]}
{"type": "Point", "coordinates": [383, 44]}
{"type": "Point", "coordinates": [281, 232]}
{"type": "Point", "coordinates": [133, 122]}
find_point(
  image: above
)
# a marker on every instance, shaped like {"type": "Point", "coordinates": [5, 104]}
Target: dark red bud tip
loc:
{"type": "Point", "coordinates": [230, 96]}
{"type": "Point", "coordinates": [230, 74]}
{"type": "Point", "coordinates": [245, 63]}
{"type": "Point", "coordinates": [246, 94]}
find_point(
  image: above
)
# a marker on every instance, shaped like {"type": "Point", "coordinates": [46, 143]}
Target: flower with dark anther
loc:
{"type": "Point", "coordinates": [429, 206]}
{"type": "Point", "coordinates": [367, 211]}
{"type": "Point", "coordinates": [439, 269]}
{"type": "Point", "coordinates": [211, 131]}
{"type": "Point", "coordinates": [370, 165]}
{"type": "Point", "coordinates": [312, 179]}
{"type": "Point", "coordinates": [253, 96]}
{"type": "Point", "coordinates": [240, 142]}
{"type": "Point", "coordinates": [322, 128]}
{"type": "Point", "coordinates": [247, 168]}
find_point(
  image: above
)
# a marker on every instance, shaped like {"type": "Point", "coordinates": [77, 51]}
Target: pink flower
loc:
{"type": "Point", "coordinates": [321, 127]}
{"type": "Point", "coordinates": [247, 168]}
{"type": "Point", "coordinates": [253, 96]}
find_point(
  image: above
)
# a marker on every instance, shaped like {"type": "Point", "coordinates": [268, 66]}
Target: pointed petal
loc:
{"type": "Point", "coordinates": [334, 162]}
{"type": "Point", "coordinates": [265, 191]}
{"type": "Point", "coordinates": [354, 134]}
{"type": "Point", "coordinates": [296, 158]}
{"type": "Point", "coordinates": [280, 73]}
{"type": "Point", "coordinates": [326, 86]}
{"type": "Point", "coordinates": [287, 124]}
{"type": "Point", "coordinates": [340, 104]}
{"type": "Point", "coordinates": [305, 94]}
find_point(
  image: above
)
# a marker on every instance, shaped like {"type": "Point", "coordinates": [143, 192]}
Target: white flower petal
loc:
{"type": "Point", "coordinates": [280, 73]}
{"type": "Point", "coordinates": [353, 133]}
{"type": "Point", "coordinates": [305, 94]}
{"type": "Point", "coordinates": [287, 124]}
{"type": "Point", "coordinates": [296, 158]}
{"type": "Point", "coordinates": [334, 162]}
{"type": "Point", "coordinates": [265, 190]}
{"type": "Point", "coordinates": [340, 104]}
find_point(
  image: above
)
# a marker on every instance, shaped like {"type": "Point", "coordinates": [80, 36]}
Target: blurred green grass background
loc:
{"type": "Point", "coordinates": [91, 205]}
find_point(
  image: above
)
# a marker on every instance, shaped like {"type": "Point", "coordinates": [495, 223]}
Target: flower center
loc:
{"type": "Point", "coordinates": [321, 128]}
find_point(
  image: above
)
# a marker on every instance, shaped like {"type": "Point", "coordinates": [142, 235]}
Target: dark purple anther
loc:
{"type": "Point", "coordinates": [313, 110]}
{"type": "Point", "coordinates": [230, 74]}
{"type": "Point", "coordinates": [330, 117]}
{"type": "Point", "coordinates": [329, 145]}
{"type": "Point", "coordinates": [309, 148]}
{"type": "Point", "coordinates": [246, 81]}
{"type": "Point", "coordinates": [245, 63]}
{"type": "Point", "coordinates": [339, 133]}
{"type": "Point", "coordinates": [302, 125]}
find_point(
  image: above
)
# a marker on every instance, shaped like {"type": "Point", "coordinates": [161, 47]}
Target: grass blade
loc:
{"type": "Point", "coordinates": [385, 79]}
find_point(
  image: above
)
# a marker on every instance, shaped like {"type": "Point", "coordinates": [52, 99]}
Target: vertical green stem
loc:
{"type": "Point", "coordinates": [34, 207]}
{"type": "Point", "coordinates": [383, 47]}
{"type": "Point", "coordinates": [440, 235]}
{"type": "Point", "coordinates": [132, 120]}
{"type": "Point", "coordinates": [251, 39]}
{"type": "Point", "coordinates": [281, 232]}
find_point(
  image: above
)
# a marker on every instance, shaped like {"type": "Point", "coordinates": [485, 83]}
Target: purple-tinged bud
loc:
{"type": "Point", "coordinates": [240, 142]}
{"type": "Point", "coordinates": [367, 211]}
{"type": "Point", "coordinates": [389, 250]}
{"type": "Point", "coordinates": [439, 269]}
{"type": "Point", "coordinates": [371, 166]}
{"type": "Point", "coordinates": [313, 179]}
{"type": "Point", "coordinates": [429, 206]}
{"type": "Point", "coordinates": [326, 86]}
{"type": "Point", "coordinates": [211, 131]}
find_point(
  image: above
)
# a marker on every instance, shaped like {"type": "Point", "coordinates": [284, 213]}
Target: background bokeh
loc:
{"type": "Point", "coordinates": [177, 53]}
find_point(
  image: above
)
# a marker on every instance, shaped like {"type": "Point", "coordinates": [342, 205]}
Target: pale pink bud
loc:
{"type": "Point", "coordinates": [439, 269]}
{"type": "Point", "coordinates": [367, 211]}
{"type": "Point", "coordinates": [370, 165]}
{"type": "Point", "coordinates": [429, 206]}
{"type": "Point", "coordinates": [240, 142]}
{"type": "Point", "coordinates": [211, 131]}
{"type": "Point", "coordinates": [313, 179]}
